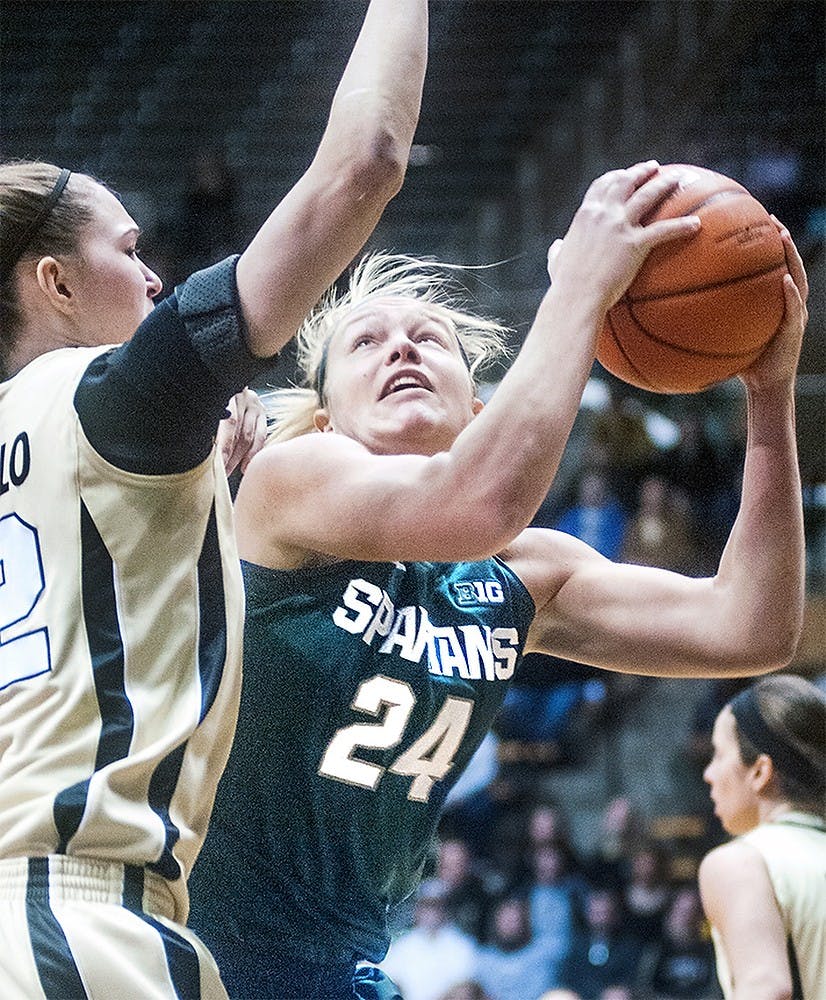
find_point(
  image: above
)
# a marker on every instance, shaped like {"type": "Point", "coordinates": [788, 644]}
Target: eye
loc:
{"type": "Point", "coordinates": [432, 336]}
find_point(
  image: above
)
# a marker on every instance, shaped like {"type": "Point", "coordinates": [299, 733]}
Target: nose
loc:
{"type": "Point", "coordinates": [154, 285]}
{"type": "Point", "coordinates": [402, 348]}
{"type": "Point", "coordinates": [707, 774]}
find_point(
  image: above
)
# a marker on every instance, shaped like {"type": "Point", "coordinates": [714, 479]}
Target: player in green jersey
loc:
{"type": "Point", "coordinates": [392, 586]}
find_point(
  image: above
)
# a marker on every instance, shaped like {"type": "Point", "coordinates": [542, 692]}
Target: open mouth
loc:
{"type": "Point", "coordinates": [403, 381]}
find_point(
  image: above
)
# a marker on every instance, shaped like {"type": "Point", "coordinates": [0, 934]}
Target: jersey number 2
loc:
{"type": "Point", "coordinates": [21, 584]}
{"type": "Point", "coordinates": [427, 760]}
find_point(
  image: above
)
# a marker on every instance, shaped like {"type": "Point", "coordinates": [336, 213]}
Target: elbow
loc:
{"type": "Point", "coordinates": [758, 639]}
{"type": "Point", "coordinates": [780, 989]}
{"type": "Point", "coordinates": [764, 653]}
{"type": "Point", "coordinates": [472, 535]}
{"type": "Point", "coordinates": [496, 527]}
{"type": "Point", "coordinates": [765, 983]}
{"type": "Point", "coordinates": [377, 172]}
{"type": "Point", "coordinates": [780, 640]}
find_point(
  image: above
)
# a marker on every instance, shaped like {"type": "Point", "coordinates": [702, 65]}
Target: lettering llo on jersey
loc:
{"type": "Point", "coordinates": [15, 462]}
{"type": "Point", "coordinates": [472, 652]}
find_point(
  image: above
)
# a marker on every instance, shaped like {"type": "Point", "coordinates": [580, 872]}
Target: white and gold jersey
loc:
{"type": "Point", "coordinates": [794, 850]}
{"type": "Point", "coordinates": [120, 632]}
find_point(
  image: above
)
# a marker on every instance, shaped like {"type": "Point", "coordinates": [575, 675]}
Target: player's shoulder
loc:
{"type": "Point", "coordinates": [306, 457]}
{"type": "Point", "coordinates": [730, 863]}
{"type": "Point", "coordinates": [545, 558]}
{"type": "Point", "coordinates": [47, 372]}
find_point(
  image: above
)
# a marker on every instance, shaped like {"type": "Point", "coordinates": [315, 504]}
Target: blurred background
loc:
{"type": "Point", "coordinates": [203, 114]}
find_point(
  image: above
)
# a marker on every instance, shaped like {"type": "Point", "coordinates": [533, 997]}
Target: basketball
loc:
{"type": "Point", "coordinates": [701, 309]}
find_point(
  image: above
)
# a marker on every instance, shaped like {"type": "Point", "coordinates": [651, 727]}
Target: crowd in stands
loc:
{"type": "Point", "coordinates": [538, 918]}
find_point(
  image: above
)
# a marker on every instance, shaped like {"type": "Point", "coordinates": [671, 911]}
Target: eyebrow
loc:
{"type": "Point", "coordinates": [421, 320]}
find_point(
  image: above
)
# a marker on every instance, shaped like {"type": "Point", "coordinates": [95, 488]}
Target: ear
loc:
{"type": "Point", "coordinates": [52, 280]}
{"type": "Point", "coordinates": [321, 421]}
{"type": "Point", "coordinates": [762, 773]}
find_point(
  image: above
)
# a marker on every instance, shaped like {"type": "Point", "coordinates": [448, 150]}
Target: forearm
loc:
{"type": "Point", "coordinates": [761, 573]}
{"type": "Point", "coordinates": [510, 453]}
{"type": "Point", "coordinates": [323, 222]}
{"type": "Point", "coordinates": [381, 87]}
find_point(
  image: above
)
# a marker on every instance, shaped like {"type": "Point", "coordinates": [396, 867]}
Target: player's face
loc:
{"type": "Point", "coordinates": [114, 288]}
{"type": "Point", "coordinates": [396, 380]}
{"type": "Point", "coordinates": [735, 803]}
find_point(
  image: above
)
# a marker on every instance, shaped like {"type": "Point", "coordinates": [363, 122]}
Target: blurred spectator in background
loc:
{"type": "Point", "coordinates": [695, 466]}
{"type": "Point", "coordinates": [596, 516]}
{"type": "Point", "coordinates": [661, 530]}
{"type": "Point", "coordinates": [548, 826]}
{"type": "Point", "coordinates": [555, 893]}
{"type": "Point", "coordinates": [471, 805]}
{"type": "Point", "coordinates": [433, 955]}
{"type": "Point", "coordinates": [467, 990]}
{"type": "Point", "coordinates": [542, 704]}
{"type": "Point", "coordinates": [617, 991]}
{"type": "Point", "coordinates": [208, 228]}
{"type": "Point", "coordinates": [513, 964]}
{"type": "Point", "coordinates": [621, 833]}
{"type": "Point", "coordinates": [603, 952]}
{"type": "Point", "coordinates": [619, 442]}
{"type": "Point", "coordinates": [466, 899]}
{"type": "Point", "coordinates": [681, 965]}
{"type": "Point", "coordinates": [647, 892]}
{"type": "Point", "coordinates": [772, 174]}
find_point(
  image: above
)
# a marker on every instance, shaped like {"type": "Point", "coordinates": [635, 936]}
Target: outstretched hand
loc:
{"type": "Point", "coordinates": [778, 362]}
{"type": "Point", "coordinates": [608, 239]}
{"type": "Point", "coordinates": [241, 435]}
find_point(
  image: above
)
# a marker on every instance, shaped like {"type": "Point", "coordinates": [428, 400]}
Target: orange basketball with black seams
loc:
{"type": "Point", "coordinates": [701, 309]}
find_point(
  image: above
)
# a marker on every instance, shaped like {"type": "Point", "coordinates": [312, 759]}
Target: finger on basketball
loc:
{"type": "Point", "coordinates": [649, 195]}
{"type": "Point", "coordinates": [794, 262]}
{"type": "Point", "coordinates": [779, 360]}
{"type": "Point", "coordinates": [666, 230]}
{"type": "Point", "coordinates": [637, 176]}
{"type": "Point", "coordinates": [626, 180]}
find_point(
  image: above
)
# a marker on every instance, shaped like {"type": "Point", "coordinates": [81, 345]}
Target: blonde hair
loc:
{"type": "Point", "coordinates": [378, 275]}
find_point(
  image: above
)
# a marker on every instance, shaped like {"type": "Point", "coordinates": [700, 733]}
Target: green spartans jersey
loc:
{"type": "Point", "coordinates": [368, 686]}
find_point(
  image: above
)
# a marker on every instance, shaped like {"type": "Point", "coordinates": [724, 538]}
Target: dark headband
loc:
{"type": "Point", "coordinates": [786, 758]}
{"type": "Point", "coordinates": [9, 257]}
{"type": "Point", "coordinates": [321, 371]}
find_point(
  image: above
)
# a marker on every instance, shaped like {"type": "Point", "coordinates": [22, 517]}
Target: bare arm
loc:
{"type": "Point", "coordinates": [744, 620]}
{"type": "Point", "coordinates": [314, 233]}
{"type": "Point", "coordinates": [739, 901]}
{"type": "Point", "coordinates": [332, 496]}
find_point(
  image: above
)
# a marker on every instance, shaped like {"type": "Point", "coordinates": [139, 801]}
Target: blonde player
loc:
{"type": "Point", "coordinates": [391, 588]}
{"type": "Point", "coordinates": [764, 892]}
{"type": "Point", "coordinates": [120, 591]}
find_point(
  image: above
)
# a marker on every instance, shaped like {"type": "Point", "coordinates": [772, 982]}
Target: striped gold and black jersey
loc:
{"type": "Point", "coordinates": [121, 600]}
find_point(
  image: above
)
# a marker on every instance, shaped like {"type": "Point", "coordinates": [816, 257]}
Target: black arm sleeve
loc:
{"type": "Point", "coordinates": [153, 405]}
